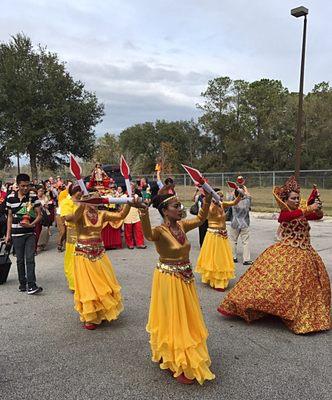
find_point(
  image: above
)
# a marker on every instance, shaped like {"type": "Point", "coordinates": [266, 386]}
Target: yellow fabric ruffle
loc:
{"type": "Point", "coordinates": [215, 261]}
{"type": "Point", "coordinates": [177, 330]}
{"type": "Point", "coordinates": [97, 291]}
{"type": "Point", "coordinates": [69, 265]}
{"type": "Point", "coordinates": [288, 282]}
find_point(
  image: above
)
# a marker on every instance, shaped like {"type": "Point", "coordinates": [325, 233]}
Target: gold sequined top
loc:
{"type": "Point", "coordinates": [85, 226]}
{"type": "Point", "coordinates": [170, 250]}
{"type": "Point", "coordinates": [217, 215]}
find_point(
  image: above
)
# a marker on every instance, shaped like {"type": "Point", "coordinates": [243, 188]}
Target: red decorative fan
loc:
{"type": "Point", "coordinates": [124, 168]}
{"type": "Point", "coordinates": [195, 175]}
{"type": "Point", "coordinates": [125, 171]}
{"type": "Point", "coordinates": [75, 168]}
{"type": "Point", "coordinates": [232, 185]}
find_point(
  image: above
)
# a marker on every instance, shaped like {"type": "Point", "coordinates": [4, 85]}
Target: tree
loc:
{"type": "Point", "coordinates": [107, 150]}
{"type": "Point", "coordinates": [178, 141]}
{"type": "Point", "coordinates": [317, 141]}
{"type": "Point", "coordinates": [44, 112]}
{"type": "Point", "coordinates": [250, 123]}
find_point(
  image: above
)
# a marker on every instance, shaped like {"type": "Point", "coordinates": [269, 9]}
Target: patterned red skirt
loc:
{"type": "Point", "coordinates": [288, 282]}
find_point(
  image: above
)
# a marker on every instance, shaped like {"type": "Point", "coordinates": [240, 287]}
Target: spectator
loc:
{"type": "Point", "coordinates": [21, 204]}
{"type": "Point", "coordinates": [119, 192]}
{"type": "Point", "coordinates": [133, 227]}
{"type": "Point", "coordinates": [43, 227]}
{"type": "Point", "coordinates": [146, 191]}
{"type": "Point", "coordinates": [3, 216]}
{"type": "Point", "coordinates": [240, 222]}
{"type": "Point", "coordinates": [199, 200]}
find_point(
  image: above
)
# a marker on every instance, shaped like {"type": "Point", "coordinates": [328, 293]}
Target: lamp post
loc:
{"type": "Point", "coordinates": [300, 12]}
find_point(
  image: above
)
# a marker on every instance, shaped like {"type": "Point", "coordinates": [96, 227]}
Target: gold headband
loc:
{"type": "Point", "coordinates": [168, 199]}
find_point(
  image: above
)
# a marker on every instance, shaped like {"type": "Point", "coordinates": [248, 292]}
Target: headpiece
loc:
{"type": "Point", "coordinates": [240, 180]}
{"type": "Point", "coordinates": [168, 199]}
{"type": "Point", "coordinates": [281, 193]}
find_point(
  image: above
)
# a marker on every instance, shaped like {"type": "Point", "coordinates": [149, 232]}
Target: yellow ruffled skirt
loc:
{"type": "Point", "coordinates": [97, 292]}
{"type": "Point", "coordinates": [69, 264]}
{"type": "Point", "coordinates": [288, 282]}
{"type": "Point", "coordinates": [177, 330]}
{"type": "Point", "coordinates": [215, 261]}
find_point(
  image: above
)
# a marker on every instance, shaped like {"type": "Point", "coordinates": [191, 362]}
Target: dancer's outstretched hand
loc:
{"type": "Point", "coordinates": [137, 202]}
{"type": "Point", "coordinates": [208, 197]}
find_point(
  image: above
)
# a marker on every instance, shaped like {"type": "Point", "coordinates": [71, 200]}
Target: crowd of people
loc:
{"type": "Point", "coordinates": [52, 193]}
{"type": "Point", "coordinates": [288, 280]}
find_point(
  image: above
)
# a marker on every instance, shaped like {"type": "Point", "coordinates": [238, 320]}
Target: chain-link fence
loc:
{"type": "Point", "coordinates": [260, 185]}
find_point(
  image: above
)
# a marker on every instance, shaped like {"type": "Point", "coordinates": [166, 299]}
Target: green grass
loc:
{"type": "Point", "coordinates": [262, 198]}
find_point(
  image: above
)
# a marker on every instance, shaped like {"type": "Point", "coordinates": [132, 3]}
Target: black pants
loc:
{"type": "Point", "coordinates": [3, 226]}
{"type": "Point", "coordinates": [202, 232]}
{"type": "Point", "coordinates": [25, 257]}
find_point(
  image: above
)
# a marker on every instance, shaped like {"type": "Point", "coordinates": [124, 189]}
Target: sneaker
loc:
{"type": "Point", "coordinates": [131, 247]}
{"type": "Point", "coordinates": [235, 260]}
{"type": "Point", "coordinates": [22, 288]}
{"type": "Point", "coordinates": [35, 289]}
{"type": "Point", "coordinates": [141, 247]}
{"type": "Point", "coordinates": [247, 263]}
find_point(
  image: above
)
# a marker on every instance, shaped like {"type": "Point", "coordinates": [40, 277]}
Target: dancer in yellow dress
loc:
{"type": "Point", "coordinates": [215, 260]}
{"type": "Point", "coordinates": [177, 330]}
{"type": "Point", "coordinates": [288, 279]}
{"type": "Point", "coordinates": [97, 292]}
{"type": "Point", "coordinates": [68, 207]}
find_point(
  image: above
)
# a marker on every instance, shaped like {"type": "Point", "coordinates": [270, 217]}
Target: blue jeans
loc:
{"type": "Point", "coordinates": [25, 258]}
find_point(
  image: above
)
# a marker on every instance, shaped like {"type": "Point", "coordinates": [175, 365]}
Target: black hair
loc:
{"type": "Point", "coordinates": [169, 181]}
{"type": "Point", "coordinates": [22, 178]}
{"type": "Point", "coordinates": [159, 202]}
{"type": "Point", "coordinates": [154, 188]}
{"type": "Point", "coordinates": [74, 189]}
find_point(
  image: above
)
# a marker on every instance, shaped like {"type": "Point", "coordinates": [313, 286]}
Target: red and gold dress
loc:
{"type": "Point", "coordinates": [177, 330]}
{"type": "Point", "coordinates": [97, 292]}
{"type": "Point", "coordinates": [215, 260]}
{"type": "Point", "coordinates": [287, 280]}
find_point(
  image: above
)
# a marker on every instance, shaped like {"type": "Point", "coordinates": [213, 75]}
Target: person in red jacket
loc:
{"type": "Point", "coordinates": [288, 279]}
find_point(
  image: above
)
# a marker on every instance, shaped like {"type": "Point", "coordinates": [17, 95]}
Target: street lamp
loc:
{"type": "Point", "coordinates": [300, 12]}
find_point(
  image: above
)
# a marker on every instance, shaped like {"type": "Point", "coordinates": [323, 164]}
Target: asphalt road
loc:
{"type": "Point", "coordinates": [45, 353]}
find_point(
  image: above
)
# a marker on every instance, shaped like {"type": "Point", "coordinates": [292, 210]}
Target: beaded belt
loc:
{"type": "Point", "coordinates": [180, 270]}
{"type": "Point", "coordinates": [93, 249]}
{"type": "Point", "coordinates": [221, 232]}
{"type": "Point", "coordinates": [71, 236]}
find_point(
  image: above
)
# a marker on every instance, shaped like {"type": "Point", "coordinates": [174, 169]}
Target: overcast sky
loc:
{"type": "Point", "coordinates": [151, 59]}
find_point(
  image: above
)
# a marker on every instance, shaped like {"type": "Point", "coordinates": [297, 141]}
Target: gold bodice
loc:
{"type": "Point", "coordinates": [170, 250]}
{"type": "Point", "coordinates": [295, 233]}
{"type": "Point", "coordinates": [86, 229]}
{"type": "Point", "coordinates": [217, 215]}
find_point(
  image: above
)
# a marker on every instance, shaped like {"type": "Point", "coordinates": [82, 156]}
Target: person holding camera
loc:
{"type": "Point", "coordinates": [23, 215]}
